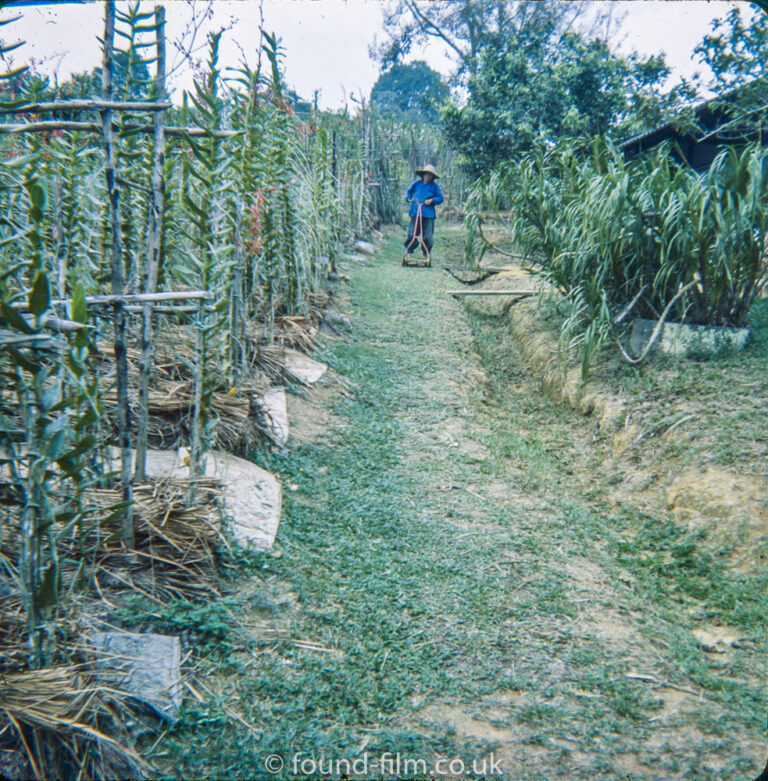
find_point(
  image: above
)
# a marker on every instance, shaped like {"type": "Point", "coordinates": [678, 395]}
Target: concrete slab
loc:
{"type": "Point", "coordinates": [303, 368]}
{"type": "Point", "coordinates": [147, 666]}
{"type": "Point", "coordinates": [680, 340]}
{"type": "Point", "coordinates": [273, 403]}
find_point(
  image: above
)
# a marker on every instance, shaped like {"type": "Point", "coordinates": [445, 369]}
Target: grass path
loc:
{"type": "Point", "coordinates": [446, 589]}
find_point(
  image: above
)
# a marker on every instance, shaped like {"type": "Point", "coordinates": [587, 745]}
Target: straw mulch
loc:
{"type": "Point", "coordinates": [58, 720]}
{"type": "Point", "coordinates": [176, 545]}
{"type": "Point", "coordinates": [240, 425]}
{"type": "Point", "coordinates": [13, 625]}
{"type": "Point", "coordinates": [170, 417]}
{"type": "Point", "coordinates": [296, 332]}
{"type": "Point", "coordinates": [175, 555]}
{"type": "Point", "coordinates": [171, 398]}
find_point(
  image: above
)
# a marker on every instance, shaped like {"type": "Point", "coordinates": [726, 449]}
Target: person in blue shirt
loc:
{"type": "Point", "coordinates": [423, 192]}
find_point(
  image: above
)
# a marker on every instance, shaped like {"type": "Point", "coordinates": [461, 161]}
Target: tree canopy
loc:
{"type": "Point", "coordinates": [735, 51]}
{"type": "Point", "coordinates": [413, 89]}
{"type": "Point", "coordinates": [530, 73]}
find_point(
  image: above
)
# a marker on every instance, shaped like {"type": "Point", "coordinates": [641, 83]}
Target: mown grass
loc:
{"type": "Point", "coordinates": [681, 583]}
{"type": "Point", "coordinates": [418, 594]}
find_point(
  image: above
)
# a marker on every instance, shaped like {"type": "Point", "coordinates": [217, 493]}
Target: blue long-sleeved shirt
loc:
{"type": "Point", "coordinates": [420, 191]}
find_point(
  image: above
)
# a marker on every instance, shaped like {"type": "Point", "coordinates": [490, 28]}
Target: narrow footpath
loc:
{"type": "Point", "coordinates": [444, 591]}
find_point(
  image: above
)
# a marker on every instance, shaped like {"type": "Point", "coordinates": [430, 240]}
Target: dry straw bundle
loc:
{"type": "Point", "coordinates": [13, 624]}
{"type": "Point", "coordinates": [176, 543]}
{"type": "Point", "coordinates": [170, 417]}
{"type": "Point", "coordinates": [297, 332]}
{"type": "Point", "coordinates": [239, 419]}
{"type": "Point", "coordinates": [60, 717]}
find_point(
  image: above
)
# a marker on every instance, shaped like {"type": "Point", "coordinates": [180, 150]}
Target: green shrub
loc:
{"type": "Point", "coordinates": [648, 234]}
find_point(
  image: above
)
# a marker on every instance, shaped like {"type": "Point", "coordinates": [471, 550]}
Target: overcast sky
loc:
{"type": "Point", "coordinates": [326, 41]}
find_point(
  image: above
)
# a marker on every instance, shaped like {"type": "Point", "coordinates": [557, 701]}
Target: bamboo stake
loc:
{"type": "Point", "coordinates": [116, 262]}
{"type": "Point", "coordinates": [236, 318]}
{"type": "Point", "coordinates": [140, 298]}
{"type": "Point", "coordinates": [61, 325]}
{"type": "Point", "coordinates": [46, 126]}
{"type": "Point", "coordinates": [171, 310]}
{"type": "Point", "coordinates": [335, 161]}
{"type": "Point", "coordinates": [87, 105]}
{"type": "Point", "coordinates": [522, 293]}
{"type": "Point", "coordinates": [130, 298]}
{"type": "Point", "coordinates": [197, 403]}
{"type": "Point", "coordinates": [481, 269]}
{"type": "Point", "coordinates": [25, 340]}
{"type": "Point", "coordinates": [154, 240]}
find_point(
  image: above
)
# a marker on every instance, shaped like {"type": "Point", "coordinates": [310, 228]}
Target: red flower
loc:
{"type": "Point", "coordinates": [256, 210]}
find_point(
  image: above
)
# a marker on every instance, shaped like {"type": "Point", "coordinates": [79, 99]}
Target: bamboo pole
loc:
{"type": "Point", "coordinates": [87, 105]}
{"type": "Point", "coordinates": [26, 340]}
{"type": "Point", "coordinates": [140, 298]}
{"type": "Point", "coordinates": [482, 269]}
{"type": "Point", "coordinates": [128, 299]}
{"type": "Point", "coordinates": [154, 241]}
{"type": "Point", "coordinates": [236, 315]}
{"type": "Point", "coordinates": [45, 126]}
{"type": "Point", "coordinates": [171, 309]}
{"type": "Point", "coordinates": [197, 400]}
{"type": "Point", "coordinates": [117, 272]}
{"type": "Point", "coordinates": [61, 325]}
{"type": "Point", "coordinates": [521, 293]}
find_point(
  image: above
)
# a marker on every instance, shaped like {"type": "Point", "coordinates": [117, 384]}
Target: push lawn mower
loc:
{"type": "Point", "coordinates": [416, 239]}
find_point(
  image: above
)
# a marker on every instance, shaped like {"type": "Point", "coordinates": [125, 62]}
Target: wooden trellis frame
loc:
{"type": "Point", "coordinates": [120, 303]}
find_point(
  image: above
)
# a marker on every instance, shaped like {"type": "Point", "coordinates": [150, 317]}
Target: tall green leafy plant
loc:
{"type": "Point", "coordinates": [206, 261]}
{"type": "Point", "coordinates": [607, 233]}
{"type": "Point", "coordinates": [48, 409]}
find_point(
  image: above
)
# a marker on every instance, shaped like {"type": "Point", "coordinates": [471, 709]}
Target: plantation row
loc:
{"type": "Point", "coordinates": [154, 262]}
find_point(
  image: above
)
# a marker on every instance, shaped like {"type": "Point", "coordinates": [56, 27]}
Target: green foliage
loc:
{"type": "Point", "coordinates": [255, 218]}
{"type": "Point", "coordinates": [207, 625]}
{"type": "Point", "coordinates": [544, 91]}
{"type": "Point", "coordinates": [531, 75]}
{"type": "Point", "coordinates": [735, 50]}
{"type": "Point", "coordinates": [609, 233]}
{"type": "Point", "coordinates": [413, 90]}
{"type": "Point", "coordinates": [47, 411]}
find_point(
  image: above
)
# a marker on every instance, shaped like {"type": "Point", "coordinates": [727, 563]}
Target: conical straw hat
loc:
{"type": "Point", "coordinates": [427, 169]}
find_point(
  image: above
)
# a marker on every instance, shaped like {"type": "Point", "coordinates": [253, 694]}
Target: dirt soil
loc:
{"type": "Point", "coordinates": [686, 437]}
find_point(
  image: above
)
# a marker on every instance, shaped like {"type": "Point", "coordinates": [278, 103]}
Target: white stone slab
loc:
{"type": "Point", "coordinates": [303, 368]}
{"type": "Point", "coordinates": [147, 666]}
{"type": "Point", "coordinates": [252, 499]}
{"type": "Point", "coordinates": [681, 340]}
{"type": "Point", "coordinates": [365, 247]}
{"type": "Point", "coordinates": [275, 407]}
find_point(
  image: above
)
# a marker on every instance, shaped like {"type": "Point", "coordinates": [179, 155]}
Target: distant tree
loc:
{"type": "Point", "coordinates": [413, 89]}
{"type": "Point", "coordinates": [735, 53]}
{"type": "Point", "coordinates": [468, 27]}
{"type": "Point", "coordinates": [530, 73]}
{"type": "Point", "coordinates": [736, 49]}
{"type": "Point", "coordinates": [548, 92]}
